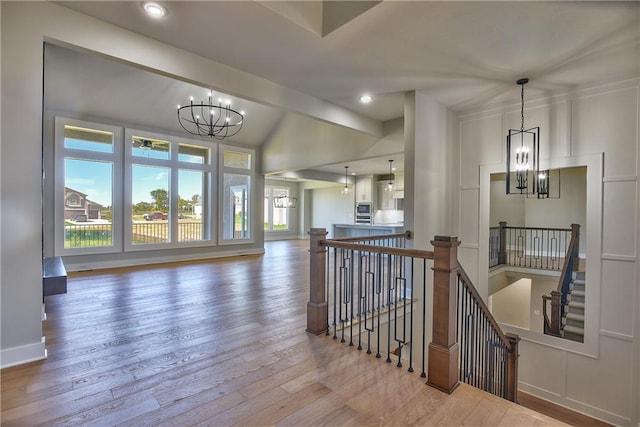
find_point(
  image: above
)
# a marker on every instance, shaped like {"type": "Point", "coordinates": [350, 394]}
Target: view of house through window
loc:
{"type": "Point", "coordinates": [88, 188]}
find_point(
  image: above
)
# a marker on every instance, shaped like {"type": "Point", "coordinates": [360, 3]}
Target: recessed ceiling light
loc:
{"type": "Point", "coordinates": [154, 10]}
{"type": "Point", "coordinates": [366, 98]}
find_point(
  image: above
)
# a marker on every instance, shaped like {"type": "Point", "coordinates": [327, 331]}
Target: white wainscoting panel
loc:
{"type": "Point", "coordinates": [541, 367]}
{"type": "Point", "coordinates": [604, 383]}
{"type": "Point", "coordinates": [469, 216]}
{"type": "Point", "coordinates": [617, 303]}
{"type": "Point", "coordinates": [608, 122]}
{"type": "Point", "coordinates": [481, 142]}
{"type": "Point", "coordinates": [619, 218]}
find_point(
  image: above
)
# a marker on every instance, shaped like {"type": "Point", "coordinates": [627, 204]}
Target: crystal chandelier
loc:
{"type": "Point", "coordinates": [208, 119]}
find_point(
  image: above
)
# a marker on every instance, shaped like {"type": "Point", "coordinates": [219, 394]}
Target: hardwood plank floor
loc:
{"type": "Point", "coordinates": [218, 342]}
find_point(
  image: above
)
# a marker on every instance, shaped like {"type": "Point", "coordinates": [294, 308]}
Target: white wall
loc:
{"type": "Point", "coordinates": [331, 207]}
{"type": "Point", "coordinates": [511, 305]}
{"type": "Point", "coordinates": [599, 378]}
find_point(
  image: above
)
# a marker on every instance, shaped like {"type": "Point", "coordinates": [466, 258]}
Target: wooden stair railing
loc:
{"type": "Point", "coordinates": [364, 287]}
{"type": "Point", "coordinates": [558, 298]}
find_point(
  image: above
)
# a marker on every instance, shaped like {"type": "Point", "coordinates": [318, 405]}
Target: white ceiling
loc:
{"type": "Point", "coordinates": [466, 54]}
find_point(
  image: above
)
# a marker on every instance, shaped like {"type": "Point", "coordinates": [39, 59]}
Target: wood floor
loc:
{"type": "Point", "coordinates": [218, 343]}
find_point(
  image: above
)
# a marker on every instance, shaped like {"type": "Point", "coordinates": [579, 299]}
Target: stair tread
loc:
{"type": "Point", "coordinates": [577, 293]}
{"type": "Point", "coordinates": [573, 329]}
{"type": "Point", "coordinates": [579, 282]}
{"type": "Point", "coordinates": [575, 316]}
{"type": "Point", "coordinates": [575, 304]}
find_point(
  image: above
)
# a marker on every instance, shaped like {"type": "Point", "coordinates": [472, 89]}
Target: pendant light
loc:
{"type": "Point", "coordinates": [523, 156]}
{"type": "Point", "coordinates": [346, 190]}
{"type": "Point", "coordinates": [283, 200]}
{"type": "Point", "coordinates": [389, 187]}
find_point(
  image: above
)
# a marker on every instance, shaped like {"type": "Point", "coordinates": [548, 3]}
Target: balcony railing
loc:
{"type": "Point", "coordinates": [528, 247]}
{"type": "Point", "coordinates": [85, 235]}
{"type": "Point", "coordinates": [372, 294]}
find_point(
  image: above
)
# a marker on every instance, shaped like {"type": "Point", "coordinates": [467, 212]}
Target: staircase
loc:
{"type": "Point", "coordinates": [573, 319]}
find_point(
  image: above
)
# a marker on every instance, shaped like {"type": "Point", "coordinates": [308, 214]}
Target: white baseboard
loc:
{"type": "Point", "coordinates": [81, 266]}
{"type": "Point", "coordinates": [22, 354]}
{"type": "Point", "coordinates": [574, 405]}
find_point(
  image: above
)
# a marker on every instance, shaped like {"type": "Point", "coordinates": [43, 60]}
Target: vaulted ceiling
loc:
{"type": "Point", "coordinates": [464, 54]}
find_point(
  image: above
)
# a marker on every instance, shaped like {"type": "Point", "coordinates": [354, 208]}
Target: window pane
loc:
{"type": "Point", "coordinates": [267, 208]}
{"type": "Point", "coordinates": [235, 159]}
{"type": "Point", "coordinates": [236, 208]}
{"type": "Point", "coordinates": [88, 195]}
{"type": "Point", "coordinates": [150, 204]}
{"type": "Point", "coordinates": [280, 215]}
{"type": "Point", "coordinates": [192, 154]}
{"type": "Point", "coordinates": [88, 139]}
{"type": "Point", "coordinates": [151, 148]}
{"type": "Point", "coordinates": [190, 203]}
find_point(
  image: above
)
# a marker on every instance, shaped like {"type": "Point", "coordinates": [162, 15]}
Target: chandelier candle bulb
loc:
{"type": "Point", "coordinates": [210, 120]}
{"type": "Point", "coordinates": [525, 158]}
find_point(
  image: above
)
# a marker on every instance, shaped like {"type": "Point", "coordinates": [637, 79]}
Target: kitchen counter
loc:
{"type": "Point", "coordinates": [360, 230]}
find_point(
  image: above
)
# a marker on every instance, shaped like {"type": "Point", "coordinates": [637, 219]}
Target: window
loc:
{"type": "Point", "coordinates": [119, 190]}
{"type": "Point", "coordinates": [235, 191]}
{"type": "Point", "coordinates": [85, 211]}
{"type": "Point", "coordinates": [275, 218]}
{"type": "Point", "coordinates": [168, 183]}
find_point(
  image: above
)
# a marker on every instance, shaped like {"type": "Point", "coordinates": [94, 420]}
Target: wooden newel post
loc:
{"type": "Point", "coordinates": [556, 312]}
{"type": "Point", "coordinates": [317, 321]}
{"type": "Point", "coordinates": [502, 249]}
{"type": "Point", "coordinates": [443, 371]}
{"type": "Point", "coordinates": [512, 368]}
{"type": "Point", "coordinates": [575, 234]}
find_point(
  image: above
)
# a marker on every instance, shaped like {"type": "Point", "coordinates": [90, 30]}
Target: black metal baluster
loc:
{"type": "Point", "coordinates": [351, 278]}
{"type": "Point", "coordinates": [411, 324]}
{"type": "Point", "coordinates": [424, 314]}
{"type": "Point", "coordinates": [335, 293]}
{"type": "Point", "coordinates": [379, 294]}
{"type": "Point", "coordinates": [389, 290]}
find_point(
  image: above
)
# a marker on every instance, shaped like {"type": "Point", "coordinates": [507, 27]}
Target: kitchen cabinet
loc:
{"type": "Point", "coordinates": [385, 198]}
{"type": "Point", "coordinates": [364, 189]}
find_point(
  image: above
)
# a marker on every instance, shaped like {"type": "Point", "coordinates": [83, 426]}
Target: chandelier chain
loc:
{"type": "Point", "coordinates": [522, 108]}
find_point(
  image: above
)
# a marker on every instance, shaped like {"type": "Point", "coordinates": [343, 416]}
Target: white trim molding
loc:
{"type": "Point", "coordinates": [23, 354]}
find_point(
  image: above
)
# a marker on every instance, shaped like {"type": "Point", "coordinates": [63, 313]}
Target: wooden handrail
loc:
{"type": "Point", "coordinates": [485, 310]}
{"type": "Point", "coordinates": [416, 253]}
{"type": "Point", "coordinates": [406, 235]}
{"type": "Point", "coordinates": [537, 228]}
{"type": "Point", "coordinates": [572, 253]}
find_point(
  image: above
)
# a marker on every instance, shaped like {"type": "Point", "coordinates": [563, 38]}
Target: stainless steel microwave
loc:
{"type": "Point", "coordinates": [364, 209]}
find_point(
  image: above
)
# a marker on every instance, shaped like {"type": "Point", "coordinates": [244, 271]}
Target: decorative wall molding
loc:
{"type": "Point", "coordinates": [618, 257]}
{"type": "Point", "coordinates": [620, 179]}
{"type": "Point", "coordinates": [616, 335]}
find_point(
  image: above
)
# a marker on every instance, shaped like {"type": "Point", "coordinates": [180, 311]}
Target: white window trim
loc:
{"type": "Point", "coordinates": [272, 187]}
{"type": "Point", "coordinates": [60, 153]}
{"type": "Point", "coordinates": [237, 171]}
{"type": "Point", "coordinates": [174, 165]}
